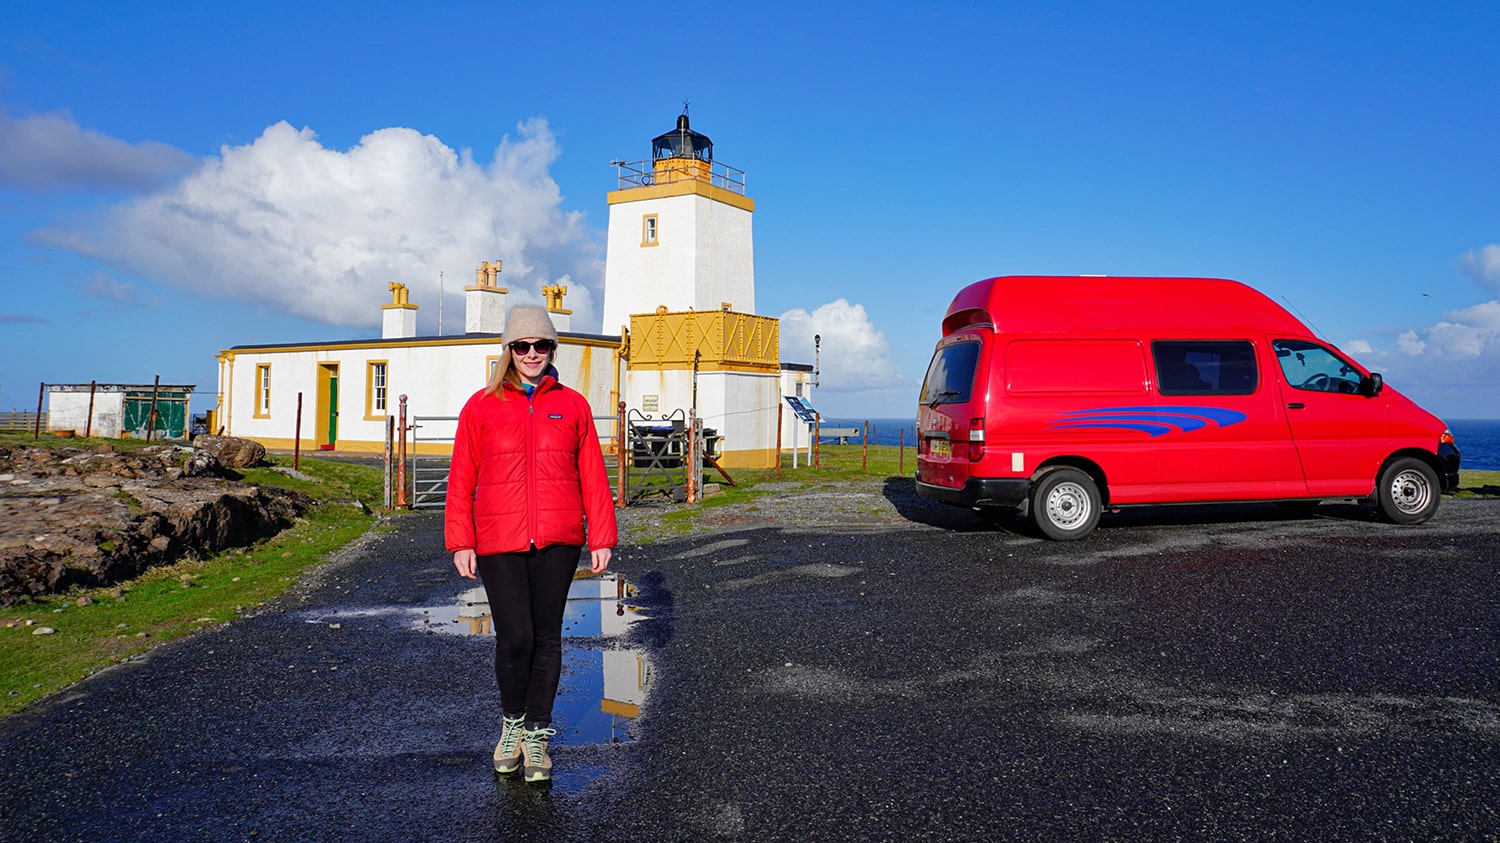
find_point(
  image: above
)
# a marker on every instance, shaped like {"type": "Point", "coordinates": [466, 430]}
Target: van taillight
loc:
{"type": "Point", "coordinates": [976, 440]}
{"type": "Point", "coordinates": [1446, 438]}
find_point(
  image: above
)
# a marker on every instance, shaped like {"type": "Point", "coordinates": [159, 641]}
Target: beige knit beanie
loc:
{"type": "Point", "coordinates": [529, 321]}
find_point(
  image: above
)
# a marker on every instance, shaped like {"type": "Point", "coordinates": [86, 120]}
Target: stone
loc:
{"type": "Point", "coordinates": [91, 518]}
{"type": "Point", "coordinates": [231, 451]}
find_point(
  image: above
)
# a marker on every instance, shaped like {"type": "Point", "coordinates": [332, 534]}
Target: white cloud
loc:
{"type": "Point", "coordinates": [1483, 265]}
{"type": "Point", "coordinates": [318, 233]}
{"type": "Point", "coordinates": [1408, 343]}
{"type": "Point", "coordinates": [853, 355]}
{"type": "Point", "coordinates": [1452, 366]}
{"type": "Point", "coordinates": [48, 152]}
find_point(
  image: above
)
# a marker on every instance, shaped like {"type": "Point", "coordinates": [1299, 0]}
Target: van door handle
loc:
{"type": "Point", "coordinates": [1296, 406]}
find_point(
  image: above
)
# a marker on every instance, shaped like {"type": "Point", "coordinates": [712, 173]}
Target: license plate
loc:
{"type": "Point", "coordinates": [940, 448]}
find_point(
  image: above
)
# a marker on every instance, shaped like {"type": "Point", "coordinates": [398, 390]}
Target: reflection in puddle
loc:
{"type": "Point", "coordinates": [603, 686]}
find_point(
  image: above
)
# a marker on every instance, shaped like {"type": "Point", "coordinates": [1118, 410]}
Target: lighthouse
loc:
{"type": "Point", "coordinates": [679, 233]}
{"type": "Point", "coordinates": [679, 281]}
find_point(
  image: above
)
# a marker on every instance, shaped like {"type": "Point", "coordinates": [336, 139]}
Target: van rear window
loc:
{"type": "Point", "coordinates": [1117, 366]}
{"type": "Point", "coordinates": [1205, 367]}
{"type": "Point", "coordinates": [950, 376]}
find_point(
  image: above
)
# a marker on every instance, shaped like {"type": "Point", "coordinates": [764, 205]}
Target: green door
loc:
{"type": "Point", "coordinates": [333, 407]}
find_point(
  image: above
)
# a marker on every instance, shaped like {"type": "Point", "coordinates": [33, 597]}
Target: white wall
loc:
{"type": "Point", "coordinates": [704, 256]}
{"type": "Point", "coordinates": [437, 378]}
{"type": "Point", "coordinates": [70, 411]}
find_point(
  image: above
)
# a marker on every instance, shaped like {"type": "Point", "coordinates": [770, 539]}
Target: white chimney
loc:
{"type": "Point", "coordinates": [484, 301]}
{"type": "Point", "coordinates": [399, 318]}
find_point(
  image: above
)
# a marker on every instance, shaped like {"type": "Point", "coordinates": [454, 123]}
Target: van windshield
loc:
{"type": "Point", "coordinates": [950, 376]}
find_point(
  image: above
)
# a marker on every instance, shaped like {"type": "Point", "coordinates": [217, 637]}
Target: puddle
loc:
{"type": "Point", "coordinates": [603, 686]}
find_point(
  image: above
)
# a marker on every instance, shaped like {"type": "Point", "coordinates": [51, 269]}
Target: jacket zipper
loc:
{"type": "Point", "coordinates": [530, 490]}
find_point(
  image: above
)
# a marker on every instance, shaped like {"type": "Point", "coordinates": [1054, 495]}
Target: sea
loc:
{"type": "Point", "coordinates": [1478, 439]}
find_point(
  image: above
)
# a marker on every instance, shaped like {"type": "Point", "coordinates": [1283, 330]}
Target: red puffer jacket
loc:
{"type": "Point", "coordinates": [527, 472]}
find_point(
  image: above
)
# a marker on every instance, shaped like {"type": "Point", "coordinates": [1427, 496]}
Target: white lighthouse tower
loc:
{"type": "Point", "coordinates": [679, 233]}
{"type": "Point", "coordinates": [680, 280]}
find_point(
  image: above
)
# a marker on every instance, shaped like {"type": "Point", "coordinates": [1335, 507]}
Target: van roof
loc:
{"type": "Point", "coordinates": [1101, 304]}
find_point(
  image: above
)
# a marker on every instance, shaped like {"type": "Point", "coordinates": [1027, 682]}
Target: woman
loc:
{"type": "Point", "coordinates": [527, 471]}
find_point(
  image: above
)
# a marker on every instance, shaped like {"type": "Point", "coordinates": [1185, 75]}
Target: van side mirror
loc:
{"type": "Point", "coordinates": [1371, 386]}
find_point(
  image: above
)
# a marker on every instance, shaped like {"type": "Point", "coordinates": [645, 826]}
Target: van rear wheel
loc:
{"type": "Point", "coordinates": [1065, 504]}
{"type": "Point", "coordinates": [1408, 491]}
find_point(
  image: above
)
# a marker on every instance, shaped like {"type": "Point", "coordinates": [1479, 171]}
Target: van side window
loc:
{"type": "Point", "coordinates": [1205, 367]}
{"type": "Point", "coordinates": [1312, 367]}
{"type": "Point", "coordinates": [950, 376]}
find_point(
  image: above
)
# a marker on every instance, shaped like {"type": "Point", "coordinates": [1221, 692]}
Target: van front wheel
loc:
{"type": "Point", "coordinates": [1407, 492]}
{"type": "Point", "coordinates": [1065, 504]}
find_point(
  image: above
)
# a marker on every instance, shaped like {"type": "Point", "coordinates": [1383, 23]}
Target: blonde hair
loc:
{"type": "Point", "coordinates": [505, 372]}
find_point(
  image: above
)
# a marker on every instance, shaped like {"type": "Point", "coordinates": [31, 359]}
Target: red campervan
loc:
{"type": "Point", "coordinates": [1059, 396]}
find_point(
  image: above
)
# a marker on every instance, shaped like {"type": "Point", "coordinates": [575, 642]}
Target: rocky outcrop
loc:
{"type": "Point", "coordinates": [95, 517]}
{"type": "Point", "coordinates": [230, 451]}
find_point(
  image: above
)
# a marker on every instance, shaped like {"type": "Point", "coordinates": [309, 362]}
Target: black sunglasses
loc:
{"type": "Point", "coordinates": [522, 347]}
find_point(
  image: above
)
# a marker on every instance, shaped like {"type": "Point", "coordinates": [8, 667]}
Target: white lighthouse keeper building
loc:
{"type": "Point", "coordinates": [679, 279]}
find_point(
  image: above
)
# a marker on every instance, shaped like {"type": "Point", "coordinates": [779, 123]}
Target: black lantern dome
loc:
{"type": "Point", "coordinates": [682, 142]}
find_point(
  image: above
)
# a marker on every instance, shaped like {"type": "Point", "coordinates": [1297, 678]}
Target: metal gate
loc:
{"type": "Point", "coordinates": [427, 459]}
{"type": "Point", "coordinates": [429, 471]}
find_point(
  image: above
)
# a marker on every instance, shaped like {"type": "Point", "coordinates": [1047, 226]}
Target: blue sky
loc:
{"type": "Point", "coordinates": [177, 179]}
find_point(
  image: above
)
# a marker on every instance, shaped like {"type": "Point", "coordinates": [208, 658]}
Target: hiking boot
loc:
{"type": "Point", "coordinates": [508, 750]}
{"type": "Point", "coordinates": [534, 746]}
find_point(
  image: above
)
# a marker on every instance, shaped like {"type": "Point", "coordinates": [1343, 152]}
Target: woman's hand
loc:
{"type": "Point", "coordinates": [463, 560]}
{"type": "Point", "coordinates": [599, 559]}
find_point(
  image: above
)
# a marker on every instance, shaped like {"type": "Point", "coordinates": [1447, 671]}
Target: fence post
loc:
{"type": "Point", "coordinates": [88, 426]}
{"type": "Point", "coordinates": [779, 416]}
{"type": "Point", "coordinates": [401, 459]}
{"type": "Point", "coordinates": [36, 428]}
{"type": "Point", "coordinates": [151, 419]}
{"type": "Point", "coordinates": [385, 479]}
{"type": "Point", "coordinates": [621, 446]}
{"type": "Point", "coordinates": [864, 458]}
{"type": "Point", "coordinates": [817, 443]}
{"type": "Point", "coordinates": [297, 437]}
{"type": "Point", "coordinates": [691, 461]}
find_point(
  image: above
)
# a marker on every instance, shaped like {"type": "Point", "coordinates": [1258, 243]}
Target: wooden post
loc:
{"type": "Point", "coordinates": [864, 457]}
{"type": "Point", "coordinates": [817, 443]}
{"type": "Point", "coordinates": [88, 426]}
{"type": "Point", "coordinates": [620, 457]}
{"type": "Point", "coordinates": [385, 478]}
{"type": "Point", "coordinates": [151, 419]}
{"type": "Point", "coordinates": [36, 425]}
{"type": "Point", "coordinates": [297, 437]}
{"type": "Point", "coordinates": [690, 460]}
{"type": "Point", "coordinates": [779, 416]}
{"type": "Point", "coordinates": [401, 458]}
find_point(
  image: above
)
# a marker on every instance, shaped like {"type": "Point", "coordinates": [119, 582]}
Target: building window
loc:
{"type": "Point", "coordinates": [489, 367]}
{"type": "Point", "coordinates": [375, 389]}
{"type": "Point", "coordinates": [262, 390]}
{"type": "Point", "coordinates": [648, 230]}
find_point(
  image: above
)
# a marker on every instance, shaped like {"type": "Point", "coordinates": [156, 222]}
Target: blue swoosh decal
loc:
{"type": "Point", "coordinates": [1154, 421]}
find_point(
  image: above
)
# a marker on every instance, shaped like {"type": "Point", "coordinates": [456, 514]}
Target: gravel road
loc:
{"type": "Point", "coordinates": [838, 663]}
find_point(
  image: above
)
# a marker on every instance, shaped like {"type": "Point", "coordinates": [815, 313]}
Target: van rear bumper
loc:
{"type": "Point", "coordinates": [987, 491]}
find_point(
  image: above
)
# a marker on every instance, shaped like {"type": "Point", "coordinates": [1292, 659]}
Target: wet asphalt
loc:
{"type": "Point", "coordinates": [1197, 674]}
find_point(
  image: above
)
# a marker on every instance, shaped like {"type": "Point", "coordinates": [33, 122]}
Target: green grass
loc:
{"type": "Point", "coordinates": [837, 465]}
{"type": "Point", "coordinates": [117, 623]}
{"type": "Point", "coordinates": [1470, 482]}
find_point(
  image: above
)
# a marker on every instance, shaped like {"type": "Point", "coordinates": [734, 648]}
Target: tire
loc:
{"type": "Point", "coordinates": [1065, 504]}
{"type": "Point", "coordinates": [1407, 492]}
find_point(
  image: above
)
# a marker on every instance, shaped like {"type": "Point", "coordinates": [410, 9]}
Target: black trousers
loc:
{"type": "Point", "coordinates": [528, 594]}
